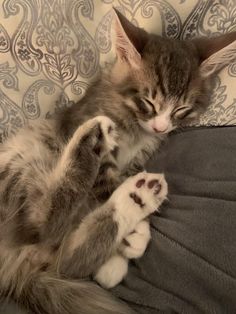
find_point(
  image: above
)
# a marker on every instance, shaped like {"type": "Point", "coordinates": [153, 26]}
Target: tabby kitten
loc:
{"type": "Point", "coordinates": [155, 85]}
{"type": "Point", "coordinates": [61, 215]}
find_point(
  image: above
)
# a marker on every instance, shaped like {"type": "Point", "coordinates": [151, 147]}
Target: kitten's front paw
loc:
{"type": "Point", "coordinates": [107, 136]}
{"type": "Point", "coordinates": [145, 191]}
{"type": "Point", "coordinates": [135, 244]}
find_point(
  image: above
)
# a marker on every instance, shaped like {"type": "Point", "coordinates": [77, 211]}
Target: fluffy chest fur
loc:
{"type": "Point", "coordinates": [135, 151]}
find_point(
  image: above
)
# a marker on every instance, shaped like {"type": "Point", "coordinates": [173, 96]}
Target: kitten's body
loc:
{"type": "Point", "coordinates": [45, 193]}
{"type": "Point", "coordinates": [52, 173]}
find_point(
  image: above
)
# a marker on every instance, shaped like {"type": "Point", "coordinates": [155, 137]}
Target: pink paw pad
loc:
{"type": "Point", "coordinates": [140, 183]}
{"type": "Point", "coordinates": [137, 199]}
{"type": "Point", "coordinates": [154, 184]}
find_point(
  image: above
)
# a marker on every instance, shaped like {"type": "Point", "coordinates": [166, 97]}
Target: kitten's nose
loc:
{"type": "Point", "coordinates": [160, 129]}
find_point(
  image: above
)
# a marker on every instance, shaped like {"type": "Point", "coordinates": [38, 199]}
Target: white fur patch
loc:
{"type": "Point", "coordinates": [112, 272]}
{"type": "Point", "coordinates": [138, 241]}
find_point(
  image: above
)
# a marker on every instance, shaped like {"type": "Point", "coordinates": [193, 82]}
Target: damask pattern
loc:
{"type": "Point", "coordinates": [50, 50]}
{"type": "Point", "coordinates": [4, 40]}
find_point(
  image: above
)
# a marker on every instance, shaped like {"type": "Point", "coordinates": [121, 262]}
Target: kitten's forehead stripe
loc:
{"type": "Point", "coordinates": [161, 84]}
{"type": "Point", "coordinates": [146, 92]}
{"type": "Point", "coordinates": [174, 78]}
{"type": "Point", "coordinates": [154, 92]}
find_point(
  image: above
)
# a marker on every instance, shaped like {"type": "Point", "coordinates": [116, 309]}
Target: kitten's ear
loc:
{"type": "Point", "coordinates": [130, 40]}
{"type": "Point", "coordinates": [215, 53]}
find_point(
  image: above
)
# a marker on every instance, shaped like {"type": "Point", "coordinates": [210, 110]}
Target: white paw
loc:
{"type": "Point", "coordinates": [137, 198]}
{"type": "Point", "coordinates": [112, 272]}
{"type": "Point", "coordinates": [135, 244]}
{"type": "Point", "coordinates": [109, 132]}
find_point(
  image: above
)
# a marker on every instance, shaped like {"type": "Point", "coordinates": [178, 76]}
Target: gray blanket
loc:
{"type": "Point", "coordinates": [190, 265]}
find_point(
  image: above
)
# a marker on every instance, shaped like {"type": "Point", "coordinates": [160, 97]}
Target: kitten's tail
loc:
{"type": "Point", "coordinates": [48, 295]}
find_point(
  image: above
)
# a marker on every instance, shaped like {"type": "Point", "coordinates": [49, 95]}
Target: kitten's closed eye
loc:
{"type": "Point", "coordinates": [182, 112]}
{"type": "Point", "coordinates": [150, 104]}
{"type": "Point", "coordinates": [144, 106]}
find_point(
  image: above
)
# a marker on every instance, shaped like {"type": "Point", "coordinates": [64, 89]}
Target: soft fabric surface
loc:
{"type": "Point", "coordinates": [190, 265]}
{"type": "Point", "coordinates": [50, 50]}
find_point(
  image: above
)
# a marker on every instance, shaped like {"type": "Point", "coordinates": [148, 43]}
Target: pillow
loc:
{"type": "Point", "coordinates": [50, 51]}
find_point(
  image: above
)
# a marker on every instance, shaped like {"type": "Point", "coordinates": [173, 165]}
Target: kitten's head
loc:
{"type": "Point", "coordinates": [165, 82]}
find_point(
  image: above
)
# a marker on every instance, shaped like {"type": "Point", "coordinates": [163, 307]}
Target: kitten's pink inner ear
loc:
{"type": "Point", "coordinates": [124, 48]}
{"type": "Point", "coordinates": [130, 40]}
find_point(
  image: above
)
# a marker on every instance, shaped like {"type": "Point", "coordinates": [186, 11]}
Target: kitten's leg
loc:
{"type": "Point", "coordinates": [102, 231]}
{"type": "Point", "coordinates": [112, 272]}
{"type": "Point", "coordinates": [108, 178]}
{"type": "Point", "coordinates": [54, 195]}
{"type": "Point", "coordinates": [135, 244]}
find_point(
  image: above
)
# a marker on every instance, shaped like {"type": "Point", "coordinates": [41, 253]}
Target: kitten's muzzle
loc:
{"type": "Point", "coordinates": [160, 131]}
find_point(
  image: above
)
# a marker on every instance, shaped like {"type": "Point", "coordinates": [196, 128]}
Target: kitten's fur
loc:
{"type": "Point", "coordinates": [57, 217]}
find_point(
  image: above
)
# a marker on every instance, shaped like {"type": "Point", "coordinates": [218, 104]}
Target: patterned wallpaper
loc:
{"type": "Point", "coordinates": [50, 50]}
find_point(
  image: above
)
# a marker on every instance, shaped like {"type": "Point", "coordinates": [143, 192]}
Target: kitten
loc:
{"type": "Point", "coordinates": [56, 221]}
{"type": "Point", "coordinates": [155, 85]}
